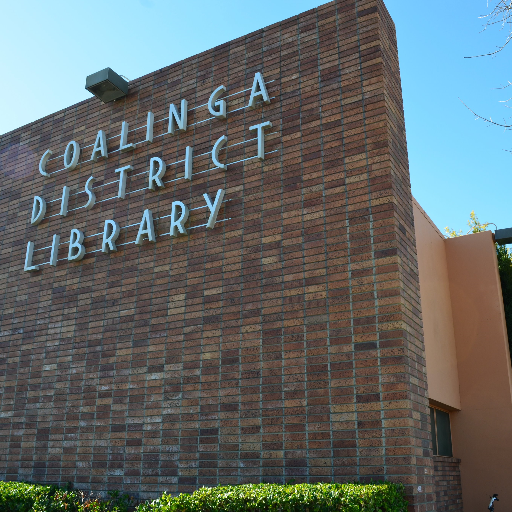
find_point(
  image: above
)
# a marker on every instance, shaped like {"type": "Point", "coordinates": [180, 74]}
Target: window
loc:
{"type": "Point", "coordinates": [441, 433]}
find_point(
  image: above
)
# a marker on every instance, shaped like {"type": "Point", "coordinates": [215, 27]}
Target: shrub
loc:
{"type": "Point", "coordinates": [23, 497]}
{"type": "Point", "coordinates": [379, 497]}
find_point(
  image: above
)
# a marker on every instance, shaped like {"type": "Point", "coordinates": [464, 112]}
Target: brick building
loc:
{"type": "Point", "coordinates": [268, 331]}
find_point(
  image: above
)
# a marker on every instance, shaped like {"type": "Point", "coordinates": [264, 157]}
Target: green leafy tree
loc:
{"type": "Point", "coordinates": [505, 270]}
{"type": "Point", "coordinates": [475, 226]}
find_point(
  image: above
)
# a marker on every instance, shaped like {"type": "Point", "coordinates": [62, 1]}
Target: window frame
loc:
{"type": "Point", "coordinates": [434, 438]}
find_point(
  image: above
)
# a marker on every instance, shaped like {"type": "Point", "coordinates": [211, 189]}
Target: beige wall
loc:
{"type": "Point", "coordinates": [482, 429]}
{"type": "Point", "coordinates": [442, 373]}
{"type": "Point", "coordinates": [459, 279]}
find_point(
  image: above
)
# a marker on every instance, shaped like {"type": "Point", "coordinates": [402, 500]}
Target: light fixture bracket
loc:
{"type": "Point", "coordinates": [503, 236]}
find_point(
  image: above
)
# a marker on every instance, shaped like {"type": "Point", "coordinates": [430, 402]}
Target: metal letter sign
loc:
{"type": "Point", "coordinates": [177, 122]}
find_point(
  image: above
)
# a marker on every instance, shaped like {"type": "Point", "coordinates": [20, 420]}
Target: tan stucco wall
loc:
{"type": "Point", "coordinates": [482, 429]}
{"type": "Point", "coordinates": [440, 352]}
{"type": "Point", "coordinates": [468, 360]}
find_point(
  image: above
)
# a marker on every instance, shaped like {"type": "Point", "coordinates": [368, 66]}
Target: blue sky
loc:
{"type": "Point", "coordinates": [457, 164]}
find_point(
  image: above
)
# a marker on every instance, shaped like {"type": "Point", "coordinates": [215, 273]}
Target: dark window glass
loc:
{"type": "Point", "coordinates": [433, 430]}
{"type": "Point", "coordinates": [444, 434]}
{"type": "Point", "coordinates": [441, 433]}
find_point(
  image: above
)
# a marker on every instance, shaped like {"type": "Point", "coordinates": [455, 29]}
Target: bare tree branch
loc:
{"type": "Point", "coordinates": [505, 87]}
{"type": "Point", "coordinates": [501, 14]}
{"type": "Point", "coordinates": [507, 126]}
{"type": "Point", "coordinates": [500, 48]}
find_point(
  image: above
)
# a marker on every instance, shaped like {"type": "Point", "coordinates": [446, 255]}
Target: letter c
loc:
{"type": "Point", "coordinates": [43, 161]}
{"type": "Point", "coordinates": [215, 152]}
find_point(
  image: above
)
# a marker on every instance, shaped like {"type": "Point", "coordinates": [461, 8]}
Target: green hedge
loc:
{"type": "Point", "coordinates": [22, 497]}
{"type": "Point", "coordinates": [379, 497]}
{"type": "Point", "coordinates": [384, 497]}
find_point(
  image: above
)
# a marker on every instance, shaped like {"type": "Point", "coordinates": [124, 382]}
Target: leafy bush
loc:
{"type": "Point", "coordinates": [23, 497]}
{"type": "Point", "coordinates": [380, 497]}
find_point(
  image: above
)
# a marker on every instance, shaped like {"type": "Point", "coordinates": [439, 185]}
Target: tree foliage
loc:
{"type": "Point", "coordinates": [505, 270]}
{"type": "Point", "coordinates": [475, 226]}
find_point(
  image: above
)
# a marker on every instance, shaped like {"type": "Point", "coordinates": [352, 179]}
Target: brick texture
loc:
{"type": "Point", "coordinates": [447, 484]}
{"type": "Point", "coordinates": [284, 343]}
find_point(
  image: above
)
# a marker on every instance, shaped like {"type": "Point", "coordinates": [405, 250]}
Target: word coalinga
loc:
{"type": "Point", "coordinates": [177, 122]}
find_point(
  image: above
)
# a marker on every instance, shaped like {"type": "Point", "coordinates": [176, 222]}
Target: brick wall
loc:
{"type": "Point", "coordinates": [447, 484]}
{"type": "Point", "coordinates": [284, 343]}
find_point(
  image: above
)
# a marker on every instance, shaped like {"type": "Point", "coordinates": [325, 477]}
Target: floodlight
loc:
{"type": "Point", "coordinates": [106, 85]}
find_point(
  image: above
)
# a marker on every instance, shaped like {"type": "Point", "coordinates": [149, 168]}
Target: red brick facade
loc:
{"type": "Point", "coordinates": [284, 343]}
{"type": "Point", "coordinates": [448, 485]}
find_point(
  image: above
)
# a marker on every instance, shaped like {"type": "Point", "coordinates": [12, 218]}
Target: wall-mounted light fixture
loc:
{"type": "Point", "coordinates": [106, 85]}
